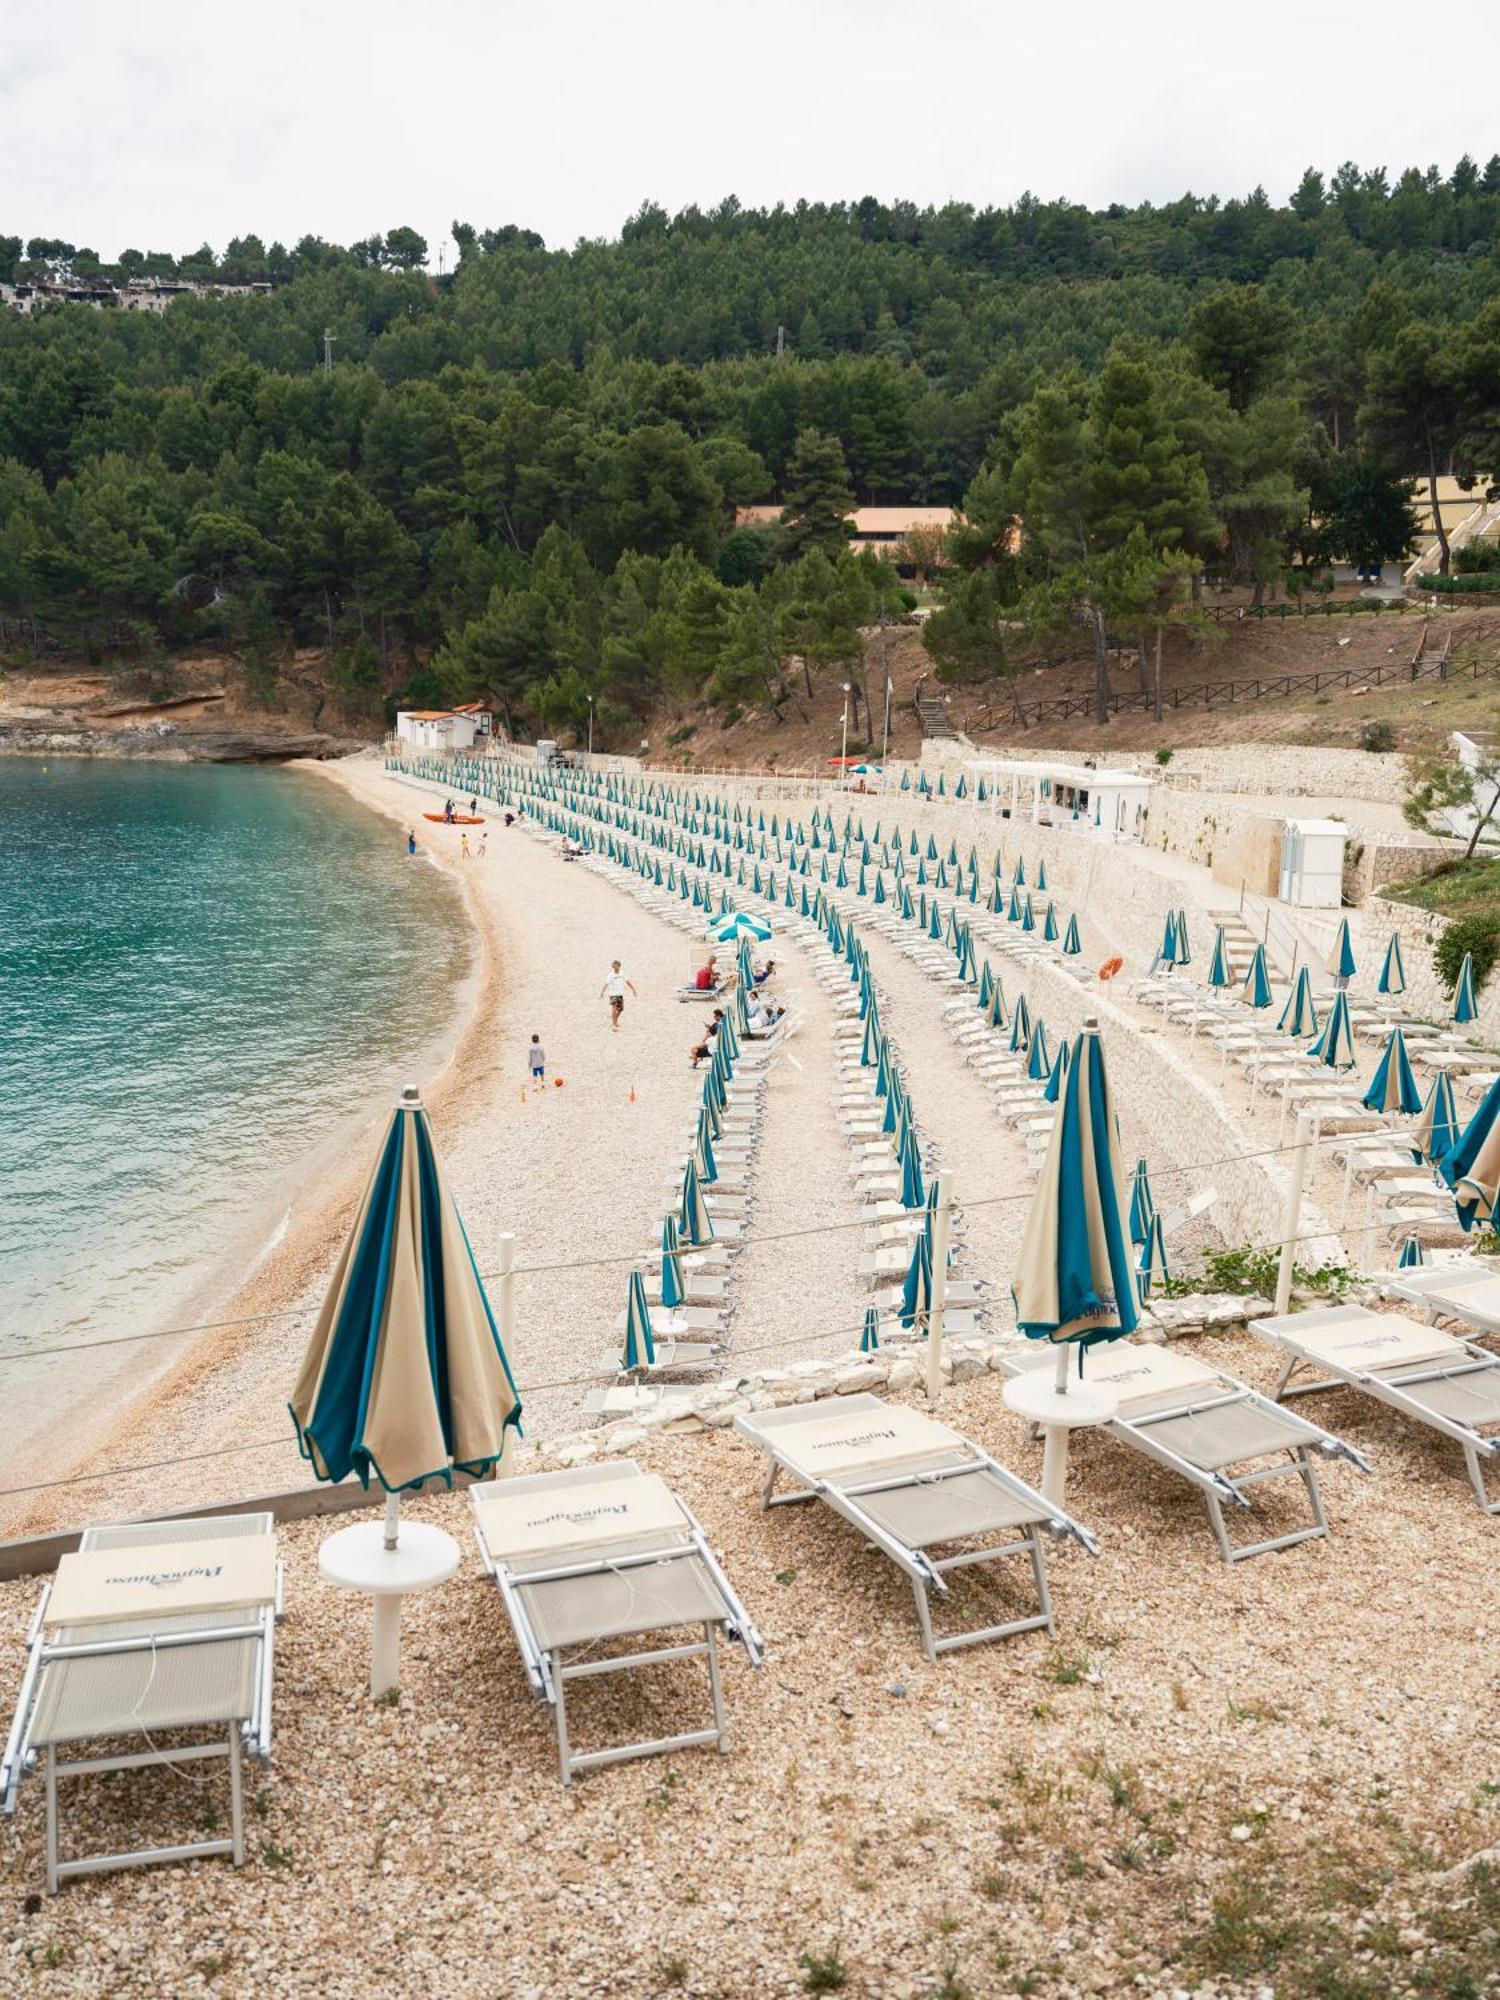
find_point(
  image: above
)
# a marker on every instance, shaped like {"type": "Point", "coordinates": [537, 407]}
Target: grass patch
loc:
{"type": "Point", "coordinates": [1458, 888]}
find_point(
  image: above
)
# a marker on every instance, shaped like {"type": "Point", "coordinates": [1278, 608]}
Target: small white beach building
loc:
{"type": "Point", "coordinates": [1107, 799]}
{"type": "Point", "coordinates": [444, 728]}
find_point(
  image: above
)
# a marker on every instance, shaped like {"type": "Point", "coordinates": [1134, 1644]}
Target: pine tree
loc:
{"type": "Point", "coordinates": [817, 498]}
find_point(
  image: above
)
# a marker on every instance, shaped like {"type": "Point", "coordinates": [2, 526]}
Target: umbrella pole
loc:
{"type": "Point", "coordinates": [392, 1519]}
{"type": "Point", "coordinates": [940, 1224]}
{"type": "Point", "coordinates": [1292, 1220]}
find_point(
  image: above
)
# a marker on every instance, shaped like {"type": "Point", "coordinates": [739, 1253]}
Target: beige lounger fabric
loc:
{"type": "Point", "coordinates": [180, 1687]}
{"type": "Point", "coordinates": [517, 1523]}
{"type": "Point", "coordinates": [861, 1439]}
{"type": "Point", "coordinates": [1141, 1374]}
{"type": "Point", "coordinates": [1377, 1342]}
{"type": "Point", "coordinates": [112, 1586]}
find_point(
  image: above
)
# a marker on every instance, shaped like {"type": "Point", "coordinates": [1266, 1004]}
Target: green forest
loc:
{"type": "Point", "coordinates": [519, 478]}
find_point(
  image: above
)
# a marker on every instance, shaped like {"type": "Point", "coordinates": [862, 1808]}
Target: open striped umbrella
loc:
{"type": "Point", "coordinates": [405, 1377]}
{"type": "Point", "coordinates": [1152, 1267]}
{"type": "Point", "coordinates": [1393, 1088]}
{"type": "Point", "coordinates": [869, 1339]}
{"type": "Point", "coordinates": [1299, 1016]}
{"type": "Point", "coordinates": [1219, 974]}
{"type": "Point", "coordinates": [1334, 1047]}
{"type": "Point", "coordinates": [1472, 1169]}
{"type": "Point", "coordinates": [1392, 971]}
{"type": "Point", "coordinates": [1341, 958]}
{"type": "Point", "coordinates": [1256, 991]}
{"type": "Point", "coordinates": [1075, 1279]}
{"type": "Point", "coordinates": [640, 1345]}
{"type": "Point", "coordinates": [1437, 1128]}
{"type": "Point", "coordinates": [1464, 1006]}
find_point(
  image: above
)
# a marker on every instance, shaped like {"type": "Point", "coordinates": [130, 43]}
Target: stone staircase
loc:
{"type": "Point", "coordinates": [1239, 942]}
{"type": "Point", "coordinates": [932, 713]}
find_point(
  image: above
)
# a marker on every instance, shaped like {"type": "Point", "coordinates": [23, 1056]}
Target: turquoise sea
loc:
{"type": "Point", "coordinates": [206, 973]}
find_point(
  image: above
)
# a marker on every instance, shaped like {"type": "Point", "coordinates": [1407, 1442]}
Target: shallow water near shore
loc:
{"type": "Point", "coordinates": [205, 975]}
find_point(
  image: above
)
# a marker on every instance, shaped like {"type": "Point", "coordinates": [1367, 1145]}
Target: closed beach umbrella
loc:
{"type": "Point", "coordinates": [986, 986]}
{"type": "Point", "coordinates": [1413, 1254]}
{"type": "Point", "coordinates": [1341, 958]}
{"type": "Point", "coordinates": [1219, 974]}
{"type": "Point", "coordinates": [1437, 1129]}
{"type": "Point", "coordinates": [1334, 1047]}
{"type": "Point", "coordinates": [1184, 950]}
{"type": "Point", "coordinates": [1152, 1268]}
{"type": "Point", "coordinates": [995, 1012]}
{"type": "Point", "coordinates": [1392, 972]}
{"type": "Point", "coordinates": [1038, 1062]}
{"type": "Point", "coordinates": [1472, 1169]}
{"type": "Point", "coordinates": [1142, 1207]}
{"type": "Point", "coordinates": [1169, 940]}
{"type": "Point", "coordinates": [869, 1338]}
{"type": "Point", "coordinates": [916, 1290]}
{"type": "Point", "coordinates": [640, 1346]}
{"type": "Point", "coordinates": [1256, 991]}
{"type": "Point", "coordinates": [405, 1378]}
{"type": "Point", "coordinates": [671, 1266]}
{"type": "Point", "coordinates": [1020, 1027]}
{"type": "Point", "coordinates": [1071, 943]}
{"type": "Point", "coordinates": [1059, 1076]}
{"type": "Point", "coordinates": [1464, 1009]}
{"type": "Point", "coordinates": [1393, 1088]}
{"type": "Point", "coordinates": [1299, 1016]}
{"type": "Point", "coordinates": [693, 1219]}
{"type": "Point", "coordinates": [1075, 1278]}
{"type": "Point", "coordinates": [913, 1194]}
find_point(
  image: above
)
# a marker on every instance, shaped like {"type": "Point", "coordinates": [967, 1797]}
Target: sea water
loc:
{"type": "Point", "coordinates": [205, 973]}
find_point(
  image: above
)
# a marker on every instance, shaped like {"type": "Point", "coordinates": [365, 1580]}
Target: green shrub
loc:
{"type": "Point", "coordinates": [1457, 586]}
{"type": "Point", "coordinates": [1479, 937]}
{"type": "Point", "coordinates": [676, 736]}
{"type": "Point", "coordinates": [731, 716]}
{"type": "Point", "coordinates": [1164, 755]}
{"type": "Point", "coordinates": [1376, 736]}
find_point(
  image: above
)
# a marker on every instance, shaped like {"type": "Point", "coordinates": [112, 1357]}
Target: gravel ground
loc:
{"type": "Point", "coordinates": [1205, 1758]}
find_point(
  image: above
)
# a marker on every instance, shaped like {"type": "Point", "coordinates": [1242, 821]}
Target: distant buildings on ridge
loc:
{"type": "Point", "coordinates": [152, 295]}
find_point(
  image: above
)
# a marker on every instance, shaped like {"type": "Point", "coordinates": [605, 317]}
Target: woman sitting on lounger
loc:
{"type": "Point", "coordinates": [705, 1048]}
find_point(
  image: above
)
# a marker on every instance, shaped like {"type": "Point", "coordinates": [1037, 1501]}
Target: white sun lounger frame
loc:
{"type": "Point", "coordinates": [926, 1572]}
{"type": "Point", "coordinates": [549, 1673]}
{"type": "Point", "coordinates": [1477, 1448]}
{"type": "Point", "coordinates": [255, 1628]}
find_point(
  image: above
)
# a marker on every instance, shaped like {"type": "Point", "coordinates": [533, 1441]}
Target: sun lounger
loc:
{"type": "Point", "coordinates": [602, 1553]}
{"type": "Point", "coordinates": [150, 1630]}
{"type": "Point", "coordinates": [1462, 1289]}
{"type": "Point", "coordinates": [626, 1398]}
{"type": "Point", "coordinates": [1450, 1385]}
{"type": "Point", "coordinates": [1211, 1429]}
{"type": "Point", "coordinates": [910, 1485]}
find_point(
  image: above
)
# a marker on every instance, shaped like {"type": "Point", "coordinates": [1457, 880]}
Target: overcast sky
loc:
{"type": "Point", "coordinates": [163, 124]}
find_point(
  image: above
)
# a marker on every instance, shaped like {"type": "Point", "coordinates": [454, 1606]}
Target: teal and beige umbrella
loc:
{"type": "Point", "coordinates": [1472, 1168]}
{"type": "Point", "coordinates": [1168, 953]}
{"type": "Point", "coordinates": [405, 1377]}
{"type": "Point", "coordinates": [1152, 1266]}
{"type": "Point", "coordinates": [1256, 991]}
{"type": "Point", "coordinates": [1393, 1088]}
{"type": "Point", "coordinates": [1219, 973]}
{"type": "Point", "coordinates": [672, 1289]}
{"type": "Point", "coordinates": [693, 1219]}
{"type": "Point", "coordinates": [1184, 950]}
{"type": "Point", "coordinates": [1020, 1027]}
{"type": "Point", "coordinates": [1071, 943]}
{"type": "Point", "coordinates": [994, 1014]}
{"type": "Point", "coordinates": [1341, 958]}
{"type": "Point", "coordinates": [913, 1193]}
{"type": "Point", "coordinates": [1464, 1007]}
{"type": "Point", "coordinates": [869, 1339]}
{"type": "Point", "coordinates": [1299, 1016]}
{"type": "Point", "coordinates": [1334, 1047]}
{"type": "Point", "coordinates": [1413, 1254]}
{"type": "Point", "coordinates": [640, 1344]}
{"type": "Point", "coordinates": [1437, 1129]}
{"type": "Point", "coordinates": [1038, 1062]}
{"type": "Point", "coordinates": [1142, 1207]}
{"type": "Point", "coordinates": [1059, 1077]}
{"type": "Point", "coordinates": [916, 1289]}
{"type": "Point", "coordinates": [1392, 978]}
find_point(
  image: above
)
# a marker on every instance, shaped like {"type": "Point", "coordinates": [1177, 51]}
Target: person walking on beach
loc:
{"type": "Point", "coordinates": [536, 1056]}
{"type": "Point", "coordinates": [474, 807]}
{"type": "Point", "coordinates": [463, 847]}
{"type": "Point", "coordinates": [484, 845]}
{"type": "Point", "coordinates": [615, 987]}
{"type": "Point", "coordinates": [411, 841]}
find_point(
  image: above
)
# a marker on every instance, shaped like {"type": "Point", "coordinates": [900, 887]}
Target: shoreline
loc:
{"type": "Point", "coordinates": [273, 1280]}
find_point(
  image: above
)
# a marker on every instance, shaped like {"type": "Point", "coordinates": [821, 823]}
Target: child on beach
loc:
{"type": "Point", "coordinates": [484, 845]}
{"type": "Point", "coordinates": [411, 841]}
{"type": "Point", "coordinates": [463, 847]}
{"type": "Point", "coordinates": [536, 1055]}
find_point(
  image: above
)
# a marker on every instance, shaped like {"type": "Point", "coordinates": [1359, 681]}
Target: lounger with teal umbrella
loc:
{"type": "Point", "coordinates": [1393, 1088]}
{"type": "Point", "coordinates": [1465, 1008]}
{"type": "Point", "coordinates": [1334, 1047]}
{"type": "Point", "coordinates": [1392, 971]}
{"type": "Point", "coordinates": [1299, 1017]}
{"type": "Point", "coordinates": [1438, 1128]}
{"type": "Point", "coordinates": [1256, 991]}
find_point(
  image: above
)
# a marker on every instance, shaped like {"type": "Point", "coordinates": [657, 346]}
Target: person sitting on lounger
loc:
{"type": "Point", "coordinates": [707, 976]}
{"type": "Point", "coordinates": [705, 1048]}
{"type": "Point", "coordinates": [764, 1014]}
{"type": "Point", "coordinates": [763, 972]}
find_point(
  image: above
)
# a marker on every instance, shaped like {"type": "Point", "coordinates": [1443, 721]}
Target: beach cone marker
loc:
{"type": "Point", "coordinates": [631, 1098]}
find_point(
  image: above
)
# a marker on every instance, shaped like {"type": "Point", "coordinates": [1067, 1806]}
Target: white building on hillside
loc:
{"type": "Point", "coordinates": [444, 728]}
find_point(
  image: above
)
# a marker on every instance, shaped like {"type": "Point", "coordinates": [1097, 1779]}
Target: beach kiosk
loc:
{"type": "Point", "coordinates": [1312, 863]}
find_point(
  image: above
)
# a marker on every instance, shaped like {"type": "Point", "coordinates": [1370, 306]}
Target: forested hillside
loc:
{"type": "Point", "coordinates": [520, 478]}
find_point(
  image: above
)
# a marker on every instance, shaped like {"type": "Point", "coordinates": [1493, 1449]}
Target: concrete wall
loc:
{"type": "Point", "coordinates": [1427, 998]}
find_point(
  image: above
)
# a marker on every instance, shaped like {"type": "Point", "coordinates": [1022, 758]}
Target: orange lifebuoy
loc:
{"type": "Point", "coordinates": [1110, 967]}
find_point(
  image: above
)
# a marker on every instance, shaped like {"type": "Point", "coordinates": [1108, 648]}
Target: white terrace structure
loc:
{"type": "Point", "coordinates": [1049, 791]}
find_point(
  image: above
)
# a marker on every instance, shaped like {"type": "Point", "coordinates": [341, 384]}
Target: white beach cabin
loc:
{"type": "Point", "coordinates": [444, 728]}
{"type": "Point", "coordinates": [1107, 799]}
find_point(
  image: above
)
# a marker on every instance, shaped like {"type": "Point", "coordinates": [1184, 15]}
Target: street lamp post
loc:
{"type": "Point", "coordinates": [847, 686]}
{"type": "Point", "coordinates": [591, 729]}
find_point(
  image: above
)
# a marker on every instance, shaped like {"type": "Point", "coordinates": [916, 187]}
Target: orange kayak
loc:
{"type": "Point", "coordinates": [458, 819]}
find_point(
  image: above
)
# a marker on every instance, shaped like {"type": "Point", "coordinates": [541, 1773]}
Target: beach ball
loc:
{"type": "Point", "coordinates": [557, 1082]}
